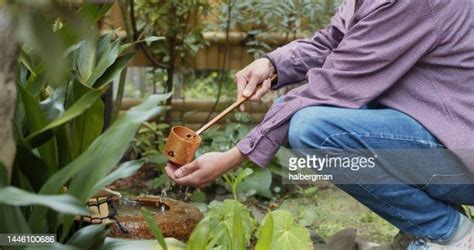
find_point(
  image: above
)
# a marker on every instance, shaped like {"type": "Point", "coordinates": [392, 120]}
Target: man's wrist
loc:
{"type": "Point", "coordinates": [271, 66]}
{"type": "Point", "coordinates": [235, 157]}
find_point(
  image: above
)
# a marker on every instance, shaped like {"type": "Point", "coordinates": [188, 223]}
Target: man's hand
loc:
{"type": "Point", "coordinates": [204, 169]}
{"type": "Point", "coordinates": [259, 71]}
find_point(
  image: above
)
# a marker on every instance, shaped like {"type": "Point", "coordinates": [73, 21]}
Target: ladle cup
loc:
{"type": "Point", "coordinates": [183, 142]}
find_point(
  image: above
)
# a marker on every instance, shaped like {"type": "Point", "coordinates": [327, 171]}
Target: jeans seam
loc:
{"type": "Point", "coordinates": [381, 136]}
{"type": "Point", "coordinates": [440, 175]}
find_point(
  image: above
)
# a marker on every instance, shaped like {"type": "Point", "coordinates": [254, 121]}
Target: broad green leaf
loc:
{"type": "Point", "coordinates": [235, 181]}
{"type": "Point", "coordinates": [87, 126]}
{"type": "Point", "coordinates": [53, 246]}
{"type": "Point", "coordinates": [78, 108]}
{"type": "Point", "coordinates": [31, 166]}
{"type": "Point", "coordinates": [104, 62]}
{"type": "Point", "coordinates": [125, 170]}
{"type": "Point", "coordinates": [125, 244]}
{"type": "Point", "coordinates": [201, 236]}
{"type": "Point", "coordinates": [114, 70]}
{"type": "Point", "coordinates": [155, 229]}
{"type": "Point", "coordinates": [35, 120]}
{"type": "Point", "coordinates": [88, 237]}
{"type": "Point", "coordinates": [260, 181]}
{"type": "Point", "coordinates": [35, 32]}
{"type": "Point", "coordinates": [238, 242]}
{"type": "Point", "coordinates": [63, 203]}
{"type": "Point", "coordinates": [265, 234]}
{"type": "Point", "coordinates": [242, 175]}
{"type": "Point", "coordinates": [12, 218]}
{"type": "Point", "coordinates": [287, 234]}
{"type": "Point", "coordinates": [94, 11]}
{"type": "Point", "coordinates": [97, 161]}
{"type": "Point", "coordinates": [105, 41]}
{"type": "Point", "coordinates": [221, 220]}
{"type": "Point", "coordinates": [85, 60]}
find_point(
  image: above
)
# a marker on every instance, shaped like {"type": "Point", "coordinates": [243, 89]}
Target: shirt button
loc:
{"type": "Point", "coordinates": [252, 144]}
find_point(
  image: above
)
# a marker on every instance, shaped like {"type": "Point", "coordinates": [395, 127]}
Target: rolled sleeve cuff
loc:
{"type": "Point", "coordinates": [259, 150]}
{"type": "Point", "coordinates": [283, 60]}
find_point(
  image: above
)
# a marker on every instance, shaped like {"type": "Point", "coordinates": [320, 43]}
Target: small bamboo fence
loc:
{"type": "Point", "coordinates": [193, 113]}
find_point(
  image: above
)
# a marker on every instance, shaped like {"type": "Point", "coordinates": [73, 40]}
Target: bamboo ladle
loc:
{"type": "Point", "coordinates": [183, 142]}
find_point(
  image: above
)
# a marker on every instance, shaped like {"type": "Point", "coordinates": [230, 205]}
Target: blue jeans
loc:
{"type": "Point", "coordinates": [414, 202]}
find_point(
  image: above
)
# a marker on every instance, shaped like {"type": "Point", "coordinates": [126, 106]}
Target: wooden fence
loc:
{"type": "Point", "coordinates": [194, 112]}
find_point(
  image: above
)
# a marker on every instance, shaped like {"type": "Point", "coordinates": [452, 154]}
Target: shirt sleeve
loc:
{"type": "Point", "coordinates": [378, 50]}
{"type": "Point", "coordinates": [292, 61]}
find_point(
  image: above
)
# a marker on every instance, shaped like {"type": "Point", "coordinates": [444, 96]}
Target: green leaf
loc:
{"type": "Point", "coordinates": [114, 70]}
{"type": "Point", "coordinates": [31, 166]}
{"type": "Point", "coordinates": [104, 62]}
{"type": "Point", "coordinates": [201, 236]}
{"type": "Point", "coordinates": [78, 108]}
{"type": "Point", "coordinates": [221, 221]}
{"type": "Point", "coordinates": [151, 39]}
{"type": "Point", "coordinates": [237, 180]}
{"type": "Point", "coordinates": [12, 218]}
{"type": "Point", "coordinates": [88, 237]}
{"type": "Point", "coordinates": [94, 11]}
{"type": "Point", "coordinates": [97, 161]}
{"type": "Point", "coordinates": [35, 32]}
{"type": "Point", "coordinates": [64, 203]}
{"type": "Point", "coordinates": [126, 244]}
{"type": "Point", "coordinates": [287, 234]}
{"type": "Point", "coordinates": [89, 125]}
{"type": "Point", "coordinates": [36, 120]}
{"type": "Point", "coordinates": [85, 60]}
{"type": "Point", "coordinates": [260, 181]}
{"type": "Point", "coordinates": [154, 228]}
{"type": "Point", "coordinates": [199, 196]}
{"type": "Point", "coordinates": [265, 235]}
{"type": "Point", "coordinates": [202, 239]}
{"type": "Point", "coordinates": [238, 242]}
{"type": "Point", "coordinates": [124, 170]}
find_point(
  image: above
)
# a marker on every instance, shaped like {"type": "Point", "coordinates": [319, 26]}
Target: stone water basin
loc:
{"type": "Point", "coordinates": [175, 218]}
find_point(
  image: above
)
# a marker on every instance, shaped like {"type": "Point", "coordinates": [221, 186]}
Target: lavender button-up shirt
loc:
{"type": "Point", "coordinates": [416, 56]}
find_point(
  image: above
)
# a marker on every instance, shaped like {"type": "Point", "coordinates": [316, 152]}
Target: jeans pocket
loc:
{"type": "Point", "coordinates": [449, 179]}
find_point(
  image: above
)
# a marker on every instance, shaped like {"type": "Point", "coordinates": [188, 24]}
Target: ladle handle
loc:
{"type": "Point", "coordinates": [234, 105]}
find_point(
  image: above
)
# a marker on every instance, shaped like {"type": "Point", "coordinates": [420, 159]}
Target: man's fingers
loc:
{"type": "Point", "coordinates": [171, 168]}
{"type": "Point", "coordinates": [186, 169]}
{"type": "Point", "coordinates": [189, 180]}
{"type": "Point", "coordinates": [262, 90]}
{"type": "Point", "coordinates": [251, 85]}
{"type": "Point", "coordinates": [241, 82]}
